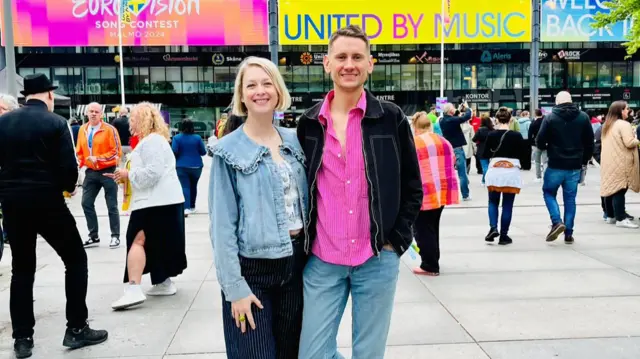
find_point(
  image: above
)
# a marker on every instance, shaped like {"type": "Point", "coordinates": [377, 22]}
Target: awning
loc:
{"type": "Point", "coordinates": [81, 109]}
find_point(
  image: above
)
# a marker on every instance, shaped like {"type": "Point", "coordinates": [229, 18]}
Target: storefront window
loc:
{"type": "Point", "coordinates": [575, 74]}
{"type": "Point", "coordinates": [545, 75]}
{"type": "Point", "coordinates": [109, 80]}
{"type": "Point", "coordinates": [408, 77]}
{"type": "Point", "coordinates": [499, 76]}
{"type": "Point", "coordinates": [589, 74]}
{"type": "Point", "coordinates": [61, 80]}
{"type": "Point", "coordinates": [526, 75]}
{"type": "Point", "coordinates": [469, 77]}
{"type": "Point", "coordinates": [76, 80]}
{"type": "Point", "coordinates": [174, 80]}
{"type": "Point", "coordinates": [423, 77]}
{"type": "Point", "coordinates": [93, 80]}
{"type": "Point", "coordinates": [514, 76]}
{"type": "Point", "coordinates": [300, 81]}
{"type": "Point", "coordinates": [316, 79]}
{"type": "Point", "coordinates": [557, 74]}
{"type": "Point", "coordinates": [158, 80]}
{"type": "Point", "coordinates": [190, 79]}
{"type": "Point", "coordinates": [393, 78]}
{"type": "Point", "coordinates": [636, 73]}
{"type": "Point", "coordinates": [435, 77]}
{"type": "Point", "coordinates": [24, 71]}
{"type": "Point", "coordinates": [143, 84]}
{"type": "Point", "coordinates": [378, 78]}
{"type": "Point", "coordinates": [484, 76]}
{"type": "Point", "coordinates": [206, 77]}
{"type": "Point", "coordinates": [621, 74]}
{"type": "Point", "coordinates": [456, 73]}
{"type": "Point", "coordinates": [328, 82]}
{"type": "Point", "coordinates": [604, 74]}
{"type": "Point", "coordinates": [223, 79]}
{"type": "Point", "coordinates": [286, 75]}
{"type": "Point", "coordinates": [129, 80]}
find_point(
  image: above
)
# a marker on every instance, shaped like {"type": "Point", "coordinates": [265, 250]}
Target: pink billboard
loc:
{"type": "Point", "coordinates": [53, 23]}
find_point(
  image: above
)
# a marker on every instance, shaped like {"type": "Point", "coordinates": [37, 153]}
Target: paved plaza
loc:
{"type": "Point", "coordinates": [529, 300]}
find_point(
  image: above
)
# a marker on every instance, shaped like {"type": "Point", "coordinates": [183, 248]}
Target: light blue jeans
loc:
{"type": "Point", "coordinates": [326, 289]}
{"type": "Point", "coordinates": [461, 166]}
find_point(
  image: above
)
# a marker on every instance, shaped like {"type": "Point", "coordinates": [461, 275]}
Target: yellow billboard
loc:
{"type": "Point", "coordinates": [311, 22]}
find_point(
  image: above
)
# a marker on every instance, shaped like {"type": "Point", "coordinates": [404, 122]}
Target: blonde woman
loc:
{"type": "Point", "coordinates": [155, 236]}
{"type": "Point", "coordinates": [258, 210]}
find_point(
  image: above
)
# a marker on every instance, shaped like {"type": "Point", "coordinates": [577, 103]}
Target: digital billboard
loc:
{"type": "Point", "coordinates": [571, 20]}
{"type": "Point", "coordinates": [53, 23]}
{"type": "Point", "coordinates": [311, 22]}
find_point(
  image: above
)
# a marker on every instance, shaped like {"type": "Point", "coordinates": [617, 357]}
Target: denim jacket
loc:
{"type": "Point", "coordinates": [246, 205]}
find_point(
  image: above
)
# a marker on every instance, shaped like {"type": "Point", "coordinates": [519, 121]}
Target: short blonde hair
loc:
{"type": "Point", "coordinates": [420, 121]}
{"type": "Point", "coordinates": [150, 120]}
{"type": "Point", "coordinates": [284, 99]}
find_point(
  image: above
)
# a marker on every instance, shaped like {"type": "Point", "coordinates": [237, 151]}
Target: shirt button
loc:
{"type": "Point", "coordinates": [348, 181]}
{"type": "Point", "coordinates": [353, 241]}
{"type": "Point", "coordinates": [350, 212]}
{"type": "Point", "coordinates": [339, 155]}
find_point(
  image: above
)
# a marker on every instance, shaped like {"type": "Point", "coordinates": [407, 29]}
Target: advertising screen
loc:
{"type": "Point", "coordinates": [53, 23]}
{"type": "Point", "coordinates": [571, 20]}
{"type": "Point", "coordinates": [311, 22]}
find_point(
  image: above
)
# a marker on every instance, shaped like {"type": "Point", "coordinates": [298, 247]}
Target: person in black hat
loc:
{"type": "Point", "coordinates": [37, 164]}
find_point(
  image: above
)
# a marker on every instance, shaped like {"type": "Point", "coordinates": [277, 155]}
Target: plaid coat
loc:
{"type": "Point", "coordinates": [438, 172]}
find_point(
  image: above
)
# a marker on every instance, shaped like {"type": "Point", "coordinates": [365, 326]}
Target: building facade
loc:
{"type": "Point", "coordinates": [197, 82]}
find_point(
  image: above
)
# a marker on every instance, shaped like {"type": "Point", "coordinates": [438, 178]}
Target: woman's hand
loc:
{"type": "Point", "coordinates": [119, 175]}
{"type": "Point", "coordinates": [241, 311]}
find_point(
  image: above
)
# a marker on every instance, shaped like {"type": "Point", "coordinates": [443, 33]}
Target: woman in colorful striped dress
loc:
{"type": "Point", "coordinates": [440, 187]}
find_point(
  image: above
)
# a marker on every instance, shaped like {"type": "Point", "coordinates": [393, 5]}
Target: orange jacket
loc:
{"type": "Point", "coordinates": [106, 147]}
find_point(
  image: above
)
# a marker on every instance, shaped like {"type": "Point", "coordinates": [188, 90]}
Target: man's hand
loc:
{"type": "Point", "coordinates": [92, 159]}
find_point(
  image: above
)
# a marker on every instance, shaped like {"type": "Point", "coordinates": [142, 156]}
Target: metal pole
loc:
{"type": "Point", "coordinates": [442, 48]}
{"type": "Point", "coordinates": [273, 30]}
{"type": "Point", "coordinates": [122, 11]}
{"type": "Point", "coordinates": [534, 63]}
{"type": "Point", "coordinates": [10, 51]}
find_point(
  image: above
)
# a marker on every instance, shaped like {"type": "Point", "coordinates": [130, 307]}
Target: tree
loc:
{"type": "Point", "coordinates": [622, 10]}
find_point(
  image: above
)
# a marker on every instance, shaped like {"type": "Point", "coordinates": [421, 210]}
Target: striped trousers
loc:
{"type": "Point", "coordinates": [277, 283]}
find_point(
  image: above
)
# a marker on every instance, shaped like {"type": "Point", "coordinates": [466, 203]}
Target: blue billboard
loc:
{"type": "Point", "coordinates": [571, 21]}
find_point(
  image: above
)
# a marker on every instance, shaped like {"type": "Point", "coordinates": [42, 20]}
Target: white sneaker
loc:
{"type": "Point", "coordinates": [132, 296]}
{"type": "Point", "coordinates": [626, 224]}
{"type": "Point", "coordinates": [610, 220]}
{"type": "Point", "coordinates": [187, 212]}
{"type": "Point", "coordinates": [538, 180]}
{"type": "Point", "coordinates": [115, 242]}
{"type": "Point", "coordinates": [467, 199]}
{"type": "Point", "coordinates": [165, 288]}
{"type": "Point", "coordinates": [192, 211]}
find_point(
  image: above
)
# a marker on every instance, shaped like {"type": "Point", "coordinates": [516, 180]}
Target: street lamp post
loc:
{"type": "Point", "coordinates": [10, 51]}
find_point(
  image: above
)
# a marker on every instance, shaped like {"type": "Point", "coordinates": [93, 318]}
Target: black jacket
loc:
{"type": "Point", "coordinates": [535, 128]}
{"type": "Point", "coordinates": [597, 148]}
{"type": "Point", "coordinates": [122, 125]}
{"type": "Point", "coordinates": [391, 165]}
{"type": "Point", "coordinates": [37, 158]}
{"type": "Point", "coordinates": [451, 130]}
{"type": "Point", "coordinates": [480, 138]}
{"type": "Point", "coordinates": [567, 136]}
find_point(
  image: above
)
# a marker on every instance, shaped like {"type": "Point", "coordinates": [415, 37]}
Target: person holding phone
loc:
{"type": "Point", "coordinates": [451, 126]}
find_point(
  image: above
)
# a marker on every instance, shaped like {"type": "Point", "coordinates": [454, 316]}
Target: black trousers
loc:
{"type": "Point", "coordinates": [478, 164]}
{"type": "Point", "coordinates": [277, 283]}
{"type": "Point", "coordinates": [427, 233]}
{"type": "Point", "coordinates": [94, 181]}
{"type": "Point", "coordinates": [51, 219]}
{"type": "Point", "coordinates": [614, 205]}
{"type": "Point", "coordinates": [527, 151]}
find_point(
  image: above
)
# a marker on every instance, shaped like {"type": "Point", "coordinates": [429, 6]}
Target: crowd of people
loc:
{"type": "Point", "coordinates": [315, 214]}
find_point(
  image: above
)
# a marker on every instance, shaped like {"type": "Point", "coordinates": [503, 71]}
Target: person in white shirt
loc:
{"type": "Point", "coordinates": [156, 235]}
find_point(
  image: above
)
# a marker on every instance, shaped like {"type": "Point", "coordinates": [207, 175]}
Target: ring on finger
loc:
{"type": "Point", "coordinates": [242, 318]}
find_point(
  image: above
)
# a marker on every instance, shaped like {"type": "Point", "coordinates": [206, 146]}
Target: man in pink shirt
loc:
{"type": "Point", "coordinates": [365, 193]}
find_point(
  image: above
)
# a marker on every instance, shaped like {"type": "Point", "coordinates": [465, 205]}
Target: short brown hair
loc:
{"type": "Point", "coordinates": [353, 31]}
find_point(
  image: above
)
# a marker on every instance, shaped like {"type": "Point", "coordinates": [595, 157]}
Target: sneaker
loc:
{"type": "Point", "coordinates": [92, 242]}
{"type": "Point", "coordinates": [568, 239]}
{"type": "Point", "coordinates": [467, 199]}
{"type": "Point", "coordinates": [556, 230]}
{"type": "Point", "coordinates": [165, 288]}
{"type": "Point", "coordinates": [22, 347]}
{"type": "Point", "coordinates": [115, 242]}
{"type": "Point", "coordinates": [626, 224]}
{"type": "Point", "coordinates": [132, 296]}
{"type": "Point", "coordinates": [192, 211]}
{"type": "Point", "coordinates": [80, 338]}
{"type": "Point", "coordinates": [610, 220]}
{"type": "Point", "coordinates": [504, 240]}
{"type": "Point", "coordinates": [538, 180]}
{"type": "Point", "coordinates": [187, 212]}
{"type": "Point", "coordinates": [629, 217]}
{"type": "Point", "coordinates": [493, 234]}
